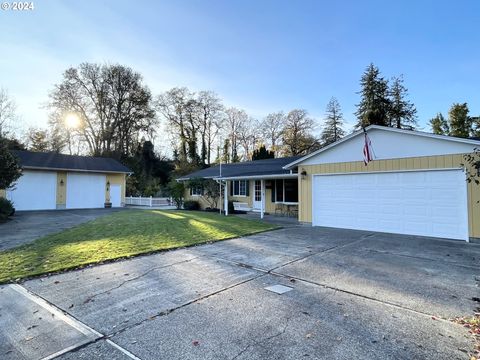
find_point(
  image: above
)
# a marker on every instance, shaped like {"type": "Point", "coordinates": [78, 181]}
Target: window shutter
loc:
{"type": "Point", "coordinates": [190, 188]}
{"type": "Point", "coordinates": [273, 191]}
{"type": "Point", "coordinates": [247, 186]}
{"type": "Point", "coordinates": [231, 188]}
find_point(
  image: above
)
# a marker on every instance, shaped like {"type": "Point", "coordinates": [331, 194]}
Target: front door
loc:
{"type": "Point", "coordinates": [257, 194]}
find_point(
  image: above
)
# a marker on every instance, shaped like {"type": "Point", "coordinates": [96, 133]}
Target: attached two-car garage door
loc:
{"type": "Point", "coordinates": [427, 203]}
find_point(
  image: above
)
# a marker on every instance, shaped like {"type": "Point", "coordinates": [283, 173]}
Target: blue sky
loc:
{"type": "Point", "coordinates": [262, 56]}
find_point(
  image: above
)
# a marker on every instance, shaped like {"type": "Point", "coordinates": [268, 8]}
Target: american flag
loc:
{"type": "Point", "coordinates": [367, 149]}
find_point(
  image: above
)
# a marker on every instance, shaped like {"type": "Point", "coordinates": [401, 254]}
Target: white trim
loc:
{"type": "Point", "coordinates": [389, 171]}
{"type": "Point", "coordinates": [264, 177]}
{"type": "Point", "coordinates": [233, 188]}
{"type": "Point", "coordinates": [384, 128]}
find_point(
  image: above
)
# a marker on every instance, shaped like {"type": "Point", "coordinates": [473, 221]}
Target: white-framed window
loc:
{"type": "Point", "coordinates": [196, 191]}
{"type": "Point", "coordinates": [240, 188]}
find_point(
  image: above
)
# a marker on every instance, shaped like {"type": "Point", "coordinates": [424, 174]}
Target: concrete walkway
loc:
{"type": "Point", "coordinates": [352, 295]}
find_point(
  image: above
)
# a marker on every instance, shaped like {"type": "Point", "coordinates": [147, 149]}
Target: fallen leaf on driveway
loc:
{"type": "Point", "coordinates": [308, 336]}
{"type": "Point", "coordinates": [195, 342]}
{"type": "Point", "coordinates": [56, 282]}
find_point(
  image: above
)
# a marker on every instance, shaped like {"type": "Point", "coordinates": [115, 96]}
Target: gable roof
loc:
{"type": "Point", "coordinates": [267, 167]}
{"type": "Point", "coordinates": [383, 128]}
{"type": "Point", "coordinates": [54, 161]}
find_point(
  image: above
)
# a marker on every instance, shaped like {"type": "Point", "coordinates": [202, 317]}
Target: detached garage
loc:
{"type": "Point", "coordinates": [57, 181]}
{"type": "Point", "coordinates": [415, 184]}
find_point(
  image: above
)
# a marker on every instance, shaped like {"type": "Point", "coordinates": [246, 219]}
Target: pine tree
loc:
{"type": "Point", "coordinates": [262, 153]}
{"type": "Point", "coordinates": [333, 129]}
{"type": "Point", "coordinates": [439, 125]}
{"type": "Point", "coordinates": [402, 113]}
{"type": "Point", "coordinates": [374, 105]}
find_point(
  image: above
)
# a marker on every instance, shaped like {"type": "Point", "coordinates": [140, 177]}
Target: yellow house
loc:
{"type": "Point", "coordinates": [262, 186]}
{"type": "Point", "coordinates": [415, 184]}
{"type": "Point", "coordinates": [57, 181]}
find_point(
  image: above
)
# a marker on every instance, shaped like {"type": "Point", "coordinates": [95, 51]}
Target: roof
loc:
{"type": "Point", "coordinates": [55, 161]}
{"type": "Point", "coordinates": [384, 128]}
{"type": "Point", "coordinates": [261, 168]}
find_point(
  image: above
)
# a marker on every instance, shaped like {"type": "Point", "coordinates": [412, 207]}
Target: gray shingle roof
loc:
{"type": "Point", "coordinates": [248, 168]}
{"type": "Point", "coordinates": [49, 160]}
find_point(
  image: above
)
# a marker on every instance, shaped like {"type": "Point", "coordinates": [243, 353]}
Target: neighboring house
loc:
{"type": "Point", "coordinates": [263, 185]}
{"type": "Point", "coordinates": [416, 184]}
{"type": "Point", "coordinates": [57, 181]}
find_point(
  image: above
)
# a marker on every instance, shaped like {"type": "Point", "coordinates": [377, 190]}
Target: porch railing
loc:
{"type": "Point", "coordinates": [148, 201]}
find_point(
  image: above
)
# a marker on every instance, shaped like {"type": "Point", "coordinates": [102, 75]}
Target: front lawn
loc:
{"type": "Point", "coordinates": [121, 234]}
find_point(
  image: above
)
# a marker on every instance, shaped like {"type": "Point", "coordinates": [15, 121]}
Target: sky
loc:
{"type": "Point", "coordinates": [259, 55]}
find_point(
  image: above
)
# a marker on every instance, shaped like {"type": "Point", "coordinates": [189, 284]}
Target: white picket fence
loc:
{"type": "Point", "coordinates": [148, 201]}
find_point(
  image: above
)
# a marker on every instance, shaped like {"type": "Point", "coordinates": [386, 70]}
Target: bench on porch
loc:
{"type": "Point", "coordinates": [240, 206]}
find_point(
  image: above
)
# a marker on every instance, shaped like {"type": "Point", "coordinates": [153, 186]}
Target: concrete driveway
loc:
{"type": "Point", "coordinates": [26, 226]}
{"type": "Point", "coordinates": [352, 295]}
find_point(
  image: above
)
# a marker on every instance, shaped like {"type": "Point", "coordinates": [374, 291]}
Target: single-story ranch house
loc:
{"type": "Point", "coordinates": [57, 181]}
{"type": "Point", "coordinates": [416, 184]}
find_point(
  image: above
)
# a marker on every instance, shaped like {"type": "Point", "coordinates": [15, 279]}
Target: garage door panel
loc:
{"type": "Point", "coordinates": [35, 190]}
{"type": "Point", "coordinates": [429, 203]}
{"type": "Point", "coordinates": [85, 191]}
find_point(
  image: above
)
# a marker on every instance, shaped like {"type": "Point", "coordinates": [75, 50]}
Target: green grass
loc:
{"type": "Point", "coordinates": [119, 235]}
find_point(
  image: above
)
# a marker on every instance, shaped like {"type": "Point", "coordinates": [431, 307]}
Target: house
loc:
{"type": "Point", "coordinates": [416, 185]}
{"type": "Point", "coordinates": [57, 181]}
{"type": "Point", "coordinates": [262, 185]}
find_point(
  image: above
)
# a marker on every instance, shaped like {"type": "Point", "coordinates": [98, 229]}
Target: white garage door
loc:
{"type": "Point", "coordinates": [35, 190]}
{"type": "Point", "coordinates": [428, 203]}
{"type": "Point", "coordinates": [85, 191]}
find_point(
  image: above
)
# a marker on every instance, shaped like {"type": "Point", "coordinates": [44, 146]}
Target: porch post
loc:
{"type": "Point", "coordinates": [262, 198]}
{"type": "Point", "coordinates": [225, 198]}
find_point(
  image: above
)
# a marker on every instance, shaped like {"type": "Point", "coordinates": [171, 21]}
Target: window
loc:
{"type": "Point", "coordinates": [196, 191]}
{"type": "Point", "coordinates": [239, 188]}
{"type": "Point", "coordinates": [286, 190]}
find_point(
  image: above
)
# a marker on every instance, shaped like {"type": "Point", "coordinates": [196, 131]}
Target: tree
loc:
{"type": "Point", "coordinates": [262, 153]}
{"type": "Point", "coordinates": [210, 190]}
{"type": "Point", "coordinates": [211, 110]}
{"type": "Point", "coordinates": [7, 112]}
{"type": "Point", "coordinates": [248, 136]}
{"type": "Point", "coordinates": [233, 121]}
{"type": "Point", "coordinates": [475, 126]}
{"type": "Point", "coordinates": [272, 128]}
{"type": "Point", "coordinates": [333, 129]}
{"type": "Point", "coordinates": [10, 170]}
{"type": "Point", "coordinates": [472, 166]}
{"type": "Point", "coordinates": [402, 113]}
{"type": "Point", "coordinates": [297, 135]}
{"type": "Point", "coordinates": [374, 105]}
{"type": "Point", "coordinates": [459, 121]}
{"type": "Point", "coordinates": [440, 125]}
{"type": "Point", "coordinates": [37, 140]}
{"type": "Point", "coordinates": [112, 102]}
{"type": "Point", "coordinates": [177, 192]}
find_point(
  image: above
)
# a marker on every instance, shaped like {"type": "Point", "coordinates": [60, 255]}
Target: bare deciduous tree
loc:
{"type": "Point", "coordinates": [297, 136]}
{"type": "Point", "coordinates": [233, 121]}
{"type": "Point", "coordinates": [112, 102]}
{"type": "Point", "coordinates": [272, 128]}
{"type": "Point", "coordinates": [7, 112]}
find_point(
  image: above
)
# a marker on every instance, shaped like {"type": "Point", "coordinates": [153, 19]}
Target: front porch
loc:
{"type": "Point", "coordinates": [274, 195]}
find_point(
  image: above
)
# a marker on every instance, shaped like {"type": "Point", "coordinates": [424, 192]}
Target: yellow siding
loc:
{"type": "Point", "coordinates": [269, 206]}
{"type": "Point", "coordinates": [115, 179]}
{"type": "Point", "coordinates": [426, 162]}
{"type": "Point", "coordinates": [3, 193]}
{"type": "Point", "coordinates": [61, 189]}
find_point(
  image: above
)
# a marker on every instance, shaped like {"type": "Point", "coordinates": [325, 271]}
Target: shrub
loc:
{"type": "Point", "coordinates": [6, 209]}
{"type": "Point", "coordinates": [191, 205]}
{"type": "Point", "coordinates": [176, 190]}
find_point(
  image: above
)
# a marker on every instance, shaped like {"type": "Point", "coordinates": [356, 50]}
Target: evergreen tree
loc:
{"type": "Point", "coordinates": [226, 151]}
{"type": "Point", "coordinates": [262, 153]}
{"type": "Point", "coordinates": [459, 121]}
{"type": "Point", "coordinates": [439, 125]}
{"type": "Point", "coordinates": [333, 129]}
{"type": "Point", "coordinates": [402, 113]}
{"type": "Point", "coordinates": [374, 105]}
{"type": "Point", "coordinates": [10, 169]}
{"type": "Point", "coordinates": [38, 140]}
